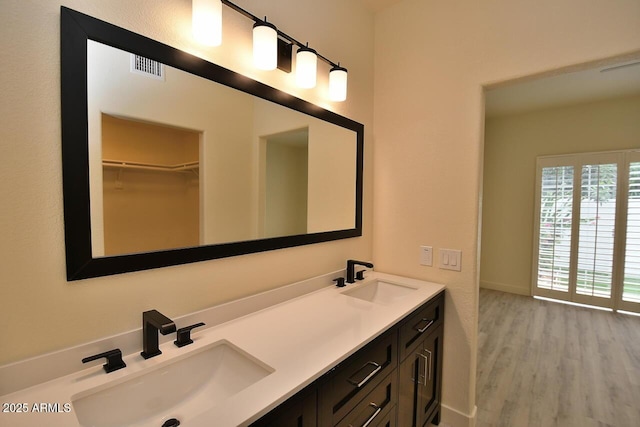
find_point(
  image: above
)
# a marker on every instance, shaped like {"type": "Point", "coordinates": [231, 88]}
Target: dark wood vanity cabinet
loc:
{"type": "Point", "coordinates": [394, 381]}
{"type": "Point", "coordinates": [420, 370]}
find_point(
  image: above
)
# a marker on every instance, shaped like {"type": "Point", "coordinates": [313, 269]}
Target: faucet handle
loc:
{"type": "Point", "coordinates": [184, 335]}
{"type": "Point", "coordinates": [339, 282]}
{"type": "Point", "coordinates": [360, 275]}
{"type": "Point", "coordinates": [114, 360]}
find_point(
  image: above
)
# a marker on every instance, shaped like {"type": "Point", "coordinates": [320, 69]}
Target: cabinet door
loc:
{"type": "Point", "coordinates": [420, 376]}
{"type": "Point", "coordinates": [409, 382]}
{"type": "Point", "coordinates": [429, 389]}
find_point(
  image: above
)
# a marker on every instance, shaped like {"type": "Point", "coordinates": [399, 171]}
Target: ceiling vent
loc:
{"type": "Point", "coordinates": [147, 67]}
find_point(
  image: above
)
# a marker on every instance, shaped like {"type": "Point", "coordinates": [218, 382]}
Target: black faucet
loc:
{"type": "Point", "coordinates": [153, 322]}
{"type": "Point", "coordinates": [184, 335]}
{"type": "Point", "coordinates": [114, 360]}
{"type": "Point", "coordinates": [351, 269]}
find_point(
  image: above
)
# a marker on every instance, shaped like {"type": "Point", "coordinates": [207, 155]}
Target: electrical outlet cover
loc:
{"type": "Point", "coordinates": [426, 255]}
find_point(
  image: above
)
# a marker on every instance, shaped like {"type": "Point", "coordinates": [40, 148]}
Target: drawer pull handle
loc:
{"type": "Point", "coordinates": [372, 417]}
{"type": "Point", "coordinates": [376, 369]}
{"type": "Point", "coordinates": [429, 323]}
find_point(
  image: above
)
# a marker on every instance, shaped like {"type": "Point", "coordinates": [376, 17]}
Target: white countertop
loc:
{"type": "Point", "coordinates": [300, 339]}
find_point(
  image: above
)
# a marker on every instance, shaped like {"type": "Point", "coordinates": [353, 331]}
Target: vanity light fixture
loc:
{"type": "Point", "coordinates": [267, 39]}
{"type": "Point", "coordinates": [306, 66]}
{"type": "Point", "coordinates": [207, 21]}
{"type": "Point", "coordinates": [338, 83]}
{"type": "Point", "coordinates": [265, 45]}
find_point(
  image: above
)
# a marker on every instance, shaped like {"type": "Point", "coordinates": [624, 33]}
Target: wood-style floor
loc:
{"type": "Point", "coordinates": [545, 364]}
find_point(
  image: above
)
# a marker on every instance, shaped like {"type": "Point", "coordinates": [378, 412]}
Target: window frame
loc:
{"type": "Point", "coordinates": [622, 158]}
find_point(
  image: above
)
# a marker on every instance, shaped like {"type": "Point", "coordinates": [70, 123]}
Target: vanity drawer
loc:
{"type": "Point", "coordinates": [375, 408]}
{"type": "Point", "coordinates": [348, 383]}
{"type": "Point", "coordinates": [388, 420]}
{"type": "Point", "coordinates": [420, 323]}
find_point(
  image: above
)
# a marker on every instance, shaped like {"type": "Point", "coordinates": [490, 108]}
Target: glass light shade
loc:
{"type": "Point", "coordinates": [338, 84]}
{"type": "Point", "coordinates": [206, 21]}
{"type": "Point", "coordinates": [306, 66]}
{"type": "Point", "coordinates": [265, 46]}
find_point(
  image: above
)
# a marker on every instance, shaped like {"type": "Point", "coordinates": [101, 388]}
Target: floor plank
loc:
{"type": "Point", "coordinates": [545, 364]}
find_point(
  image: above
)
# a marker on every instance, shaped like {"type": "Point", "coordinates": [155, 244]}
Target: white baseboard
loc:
{"type": "Point", "coordinates": [505, 288]}
{"type": "Point", "coordinates": [454, 418]}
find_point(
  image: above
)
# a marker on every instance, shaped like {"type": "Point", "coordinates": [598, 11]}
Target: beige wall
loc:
{"type": "Point", "coordinates": [332, 160]}
{"type": "Point", "coordinates": [286, 188]}
{"type": "Point", "coordinates": [511, 146]}
{"type": "Point", "coordinates": [39, 310]}
{"type": "Point", "coordinates": [148, 211]}
{"type": "Point", "coordinates": [431, 60]}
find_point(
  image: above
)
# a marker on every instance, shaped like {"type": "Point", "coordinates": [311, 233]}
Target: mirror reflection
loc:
{"type": "Point", "coordinates": [150, 194]}
{"type": "Point", "coordinates": [176, 161]}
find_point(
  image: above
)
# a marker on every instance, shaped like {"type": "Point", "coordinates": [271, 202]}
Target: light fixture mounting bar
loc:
{"type": "Point", "coordinates": [281, 34]}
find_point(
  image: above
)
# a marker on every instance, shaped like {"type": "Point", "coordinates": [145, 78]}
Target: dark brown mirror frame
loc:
{"type": "Point", "coordinates": [76, 30]}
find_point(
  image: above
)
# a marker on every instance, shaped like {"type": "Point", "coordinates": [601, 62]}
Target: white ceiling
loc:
{"type": "Point", "coordinates": [565, 89]}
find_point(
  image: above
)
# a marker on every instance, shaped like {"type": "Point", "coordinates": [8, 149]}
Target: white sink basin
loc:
{"type": "Point", "coordinates": [178, 389]}
{"type": "Point", "coordinates": [380, 292]}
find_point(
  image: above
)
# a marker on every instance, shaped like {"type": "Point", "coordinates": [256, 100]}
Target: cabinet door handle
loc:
{"type": "Point", "coordinates": [429, 323]}
{"type": "Point", "coordinates": [430, 359]}
{"type": "Point", "coordinates": [376, 369]}
{"type": "Point", "coordinates": [427, 366]}
{"type": "Point", "coordinates": [372, 417]}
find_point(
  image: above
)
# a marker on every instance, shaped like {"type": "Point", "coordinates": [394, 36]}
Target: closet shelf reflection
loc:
{"type": "Point", "coordinates": [179, 167]}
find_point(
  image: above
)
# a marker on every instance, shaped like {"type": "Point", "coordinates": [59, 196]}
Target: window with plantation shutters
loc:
{"type": "Point", "coordinates": [596, 230]}
{"type": "Point", "coordinates": [555, 227]}
{"type": "Point", "coordinates": [587, 230]}
{"type": "Point", "coordinates": [631, 281]}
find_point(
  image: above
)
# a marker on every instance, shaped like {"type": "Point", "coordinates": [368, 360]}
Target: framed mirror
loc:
{"type": "Point", "coordinates": [169, 159]}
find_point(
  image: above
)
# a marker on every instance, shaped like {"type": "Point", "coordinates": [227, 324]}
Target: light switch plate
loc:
{"type": "Point", "coordinates": [450, 259]}
{"type": "Point", "coordinates": [426, 256]}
